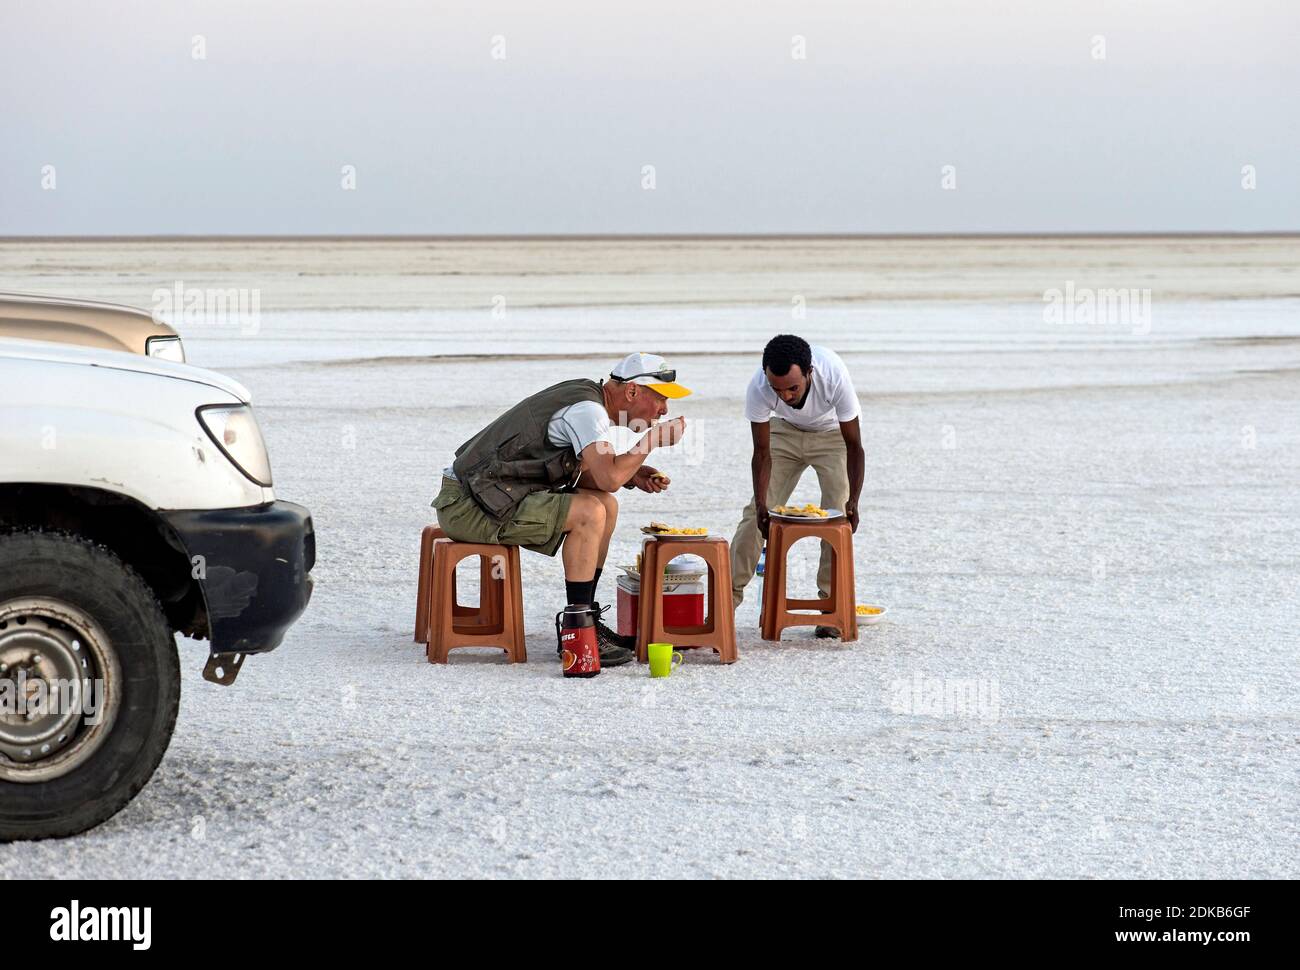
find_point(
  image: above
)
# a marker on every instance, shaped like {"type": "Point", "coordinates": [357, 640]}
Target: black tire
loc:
{"type": "Point", "coordinates": [90, 578]}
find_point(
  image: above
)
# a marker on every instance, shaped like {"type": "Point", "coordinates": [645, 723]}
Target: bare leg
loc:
{"type": "Point", "coordinates": [586, 542]}
{"type": "Point", "coordinates": [610, 504]}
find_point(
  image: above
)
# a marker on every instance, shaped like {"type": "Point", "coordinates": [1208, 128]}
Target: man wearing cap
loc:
{"type": "Point", "coordinates": [803, 412]}
{"type": "Point", "coordinates": [545, 473]}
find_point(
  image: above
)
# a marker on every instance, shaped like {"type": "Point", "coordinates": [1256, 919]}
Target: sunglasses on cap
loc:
{"type": "Point", "coordinates": [662, 376]}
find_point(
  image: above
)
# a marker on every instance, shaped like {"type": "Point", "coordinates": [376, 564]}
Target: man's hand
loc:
{"type": "Point", "coordinates": [667, 433]}
{"type": "Point", "coordinates": [764, 519]}
{"type": "Point", "coordinates": [650, 479]}
{"type": "Point", "coordinates": [854, 466]}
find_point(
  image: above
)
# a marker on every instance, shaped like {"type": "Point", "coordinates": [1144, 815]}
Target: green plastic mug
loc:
{"type": "Point", "coordinates": [663, 658]}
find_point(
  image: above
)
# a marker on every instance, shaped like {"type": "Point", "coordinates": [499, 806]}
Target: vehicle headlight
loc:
{"type": "Point", "coordinates": [165, 348]}
{"type": "Point", "coordinates": [234, 430]}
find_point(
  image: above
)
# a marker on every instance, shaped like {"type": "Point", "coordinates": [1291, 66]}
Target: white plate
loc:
{"type": "Point", "coordinates": [875, 617]}
{"type": "Point", "coordinates": [830, 514]}
{"type": "Point", "coordinates": [649, 535]}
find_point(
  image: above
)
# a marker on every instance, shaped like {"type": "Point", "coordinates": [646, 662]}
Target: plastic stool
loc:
{"type": "Point", "coordinates": [839, 610]}
{"type": "Point", "coordinates": [719, 629]}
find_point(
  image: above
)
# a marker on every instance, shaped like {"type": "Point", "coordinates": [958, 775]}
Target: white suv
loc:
{"type": "Point", "coordinates": [135, 503]}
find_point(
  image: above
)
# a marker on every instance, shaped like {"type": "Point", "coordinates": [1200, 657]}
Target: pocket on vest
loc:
{"type": "Point", "coordinates": [499, 500]}
{"type": "Point", "coordinates": [560, 468]}
{"type": "Point", "coordinates": [539, 472]}
{"type": "Point", "coordinates": [508, 449]}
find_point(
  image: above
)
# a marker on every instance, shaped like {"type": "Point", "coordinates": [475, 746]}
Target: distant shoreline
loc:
{"type": "Point", "coordinates": [652, 237]}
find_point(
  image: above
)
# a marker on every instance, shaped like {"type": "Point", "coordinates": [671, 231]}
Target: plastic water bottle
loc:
{"type": "Point", "coordinates": [762, 560]}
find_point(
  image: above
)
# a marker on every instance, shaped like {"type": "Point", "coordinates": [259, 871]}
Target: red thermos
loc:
{"type": "Point", "coordinates": [576, 628]}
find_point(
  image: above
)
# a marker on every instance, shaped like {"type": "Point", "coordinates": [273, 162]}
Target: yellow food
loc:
{"type": "Point", "coordinates": [666, 530]}
{"type": "Point", "coordinates": [869, 611]}
{"type": "Point", "coordinates": [805, 510]}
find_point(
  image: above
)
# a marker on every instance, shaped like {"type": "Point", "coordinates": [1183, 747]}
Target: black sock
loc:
{"type": "Point", "coordinates": [595, 581]}
{"type": "Point", "coordinates": [579, 593]}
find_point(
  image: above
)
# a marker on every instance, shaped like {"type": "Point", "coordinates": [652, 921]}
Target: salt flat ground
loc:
{"type": "Point", "coordinates": [1086, 535]}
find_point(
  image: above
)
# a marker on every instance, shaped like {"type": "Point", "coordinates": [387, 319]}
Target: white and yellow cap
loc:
{"type": "Point", "coordinates": [650, 370]}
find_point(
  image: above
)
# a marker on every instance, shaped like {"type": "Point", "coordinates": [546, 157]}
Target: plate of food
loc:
{"type": "Point", "coordinates": [664, 531]}
{"type": "Point", "coordinates": [808, 511]}
{"type": "Point", "coordinates": [868, 615]}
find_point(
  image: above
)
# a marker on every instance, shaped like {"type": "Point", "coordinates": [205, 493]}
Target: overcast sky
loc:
{"type": "Point", "coordinates": [1042, 134]}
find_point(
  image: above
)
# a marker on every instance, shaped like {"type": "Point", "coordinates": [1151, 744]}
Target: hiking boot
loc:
{"type": "Point", "coordinates": [827, 633]}
{"type": "Point", "coordinates": [615, 650]}
{"type": "Point", "coordinates": [615, 656]}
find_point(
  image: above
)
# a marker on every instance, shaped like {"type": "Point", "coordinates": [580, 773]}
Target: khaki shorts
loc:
{"type": "Point", "coordinates": [537, 523]}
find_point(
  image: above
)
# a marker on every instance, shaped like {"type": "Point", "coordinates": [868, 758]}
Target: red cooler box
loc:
{"type": "Point", "coordinates": [683, 604]}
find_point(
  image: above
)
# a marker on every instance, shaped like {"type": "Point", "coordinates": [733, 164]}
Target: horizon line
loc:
{"type": "Point", "coordinates": [634, 237]}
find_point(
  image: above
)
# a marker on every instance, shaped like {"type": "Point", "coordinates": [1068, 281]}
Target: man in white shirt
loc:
{"type": "Point", "coordinates": [804, 414]}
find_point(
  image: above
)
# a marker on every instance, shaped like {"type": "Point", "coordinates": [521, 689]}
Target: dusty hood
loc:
{"type": "Point", "coordinates": [119, 360]}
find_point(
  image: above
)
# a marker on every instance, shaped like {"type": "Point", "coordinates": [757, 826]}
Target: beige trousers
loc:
{"type": "Point", "coordinates": [793, 453]}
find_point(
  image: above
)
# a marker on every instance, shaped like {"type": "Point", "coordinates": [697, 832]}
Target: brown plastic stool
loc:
{"type": "Point", "coordinates": [443, 623]}
{"type": "Point", "coordinates": [488, 590]}
{"type": "Point", "coordinates": [839, 610]}
{"type": "Point", "coordinates": [719, 629]}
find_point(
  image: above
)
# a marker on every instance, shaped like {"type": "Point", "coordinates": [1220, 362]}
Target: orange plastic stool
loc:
{"type": "Point", "coordinates": [445, 624]}
{"type": "Point", "coordinates": [719, 629]}
{"type": "Point", "coordinates": [488, 590]}
{"type": "Point", "coordinates": [839, 610]}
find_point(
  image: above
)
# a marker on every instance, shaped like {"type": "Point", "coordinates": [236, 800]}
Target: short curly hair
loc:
{"type": "Point", "coordinates": [785, 350]}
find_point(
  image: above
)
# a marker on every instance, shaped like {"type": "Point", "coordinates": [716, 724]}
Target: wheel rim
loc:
{"type": "Point", "coordinates": [59, 688]}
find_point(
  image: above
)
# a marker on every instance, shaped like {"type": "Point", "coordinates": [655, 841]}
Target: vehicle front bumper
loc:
{"type": "Point", "coordinates": [254, 567]}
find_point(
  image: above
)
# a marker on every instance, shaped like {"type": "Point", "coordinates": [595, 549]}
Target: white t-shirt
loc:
{"type": "Point", "coordinates": [831, 399]}
{"type": "Point", "coordinates": [577, 426]}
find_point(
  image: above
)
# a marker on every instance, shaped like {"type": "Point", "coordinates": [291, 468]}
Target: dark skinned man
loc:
{"type": "Point", "coordinates": [803, 412]}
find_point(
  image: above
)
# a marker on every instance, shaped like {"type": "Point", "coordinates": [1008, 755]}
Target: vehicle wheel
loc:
{"type": "Point", "coordinates": [89, 684]}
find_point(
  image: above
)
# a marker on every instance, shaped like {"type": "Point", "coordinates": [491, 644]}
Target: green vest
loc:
{"type": "Point", "coordinates": [513, 457]}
